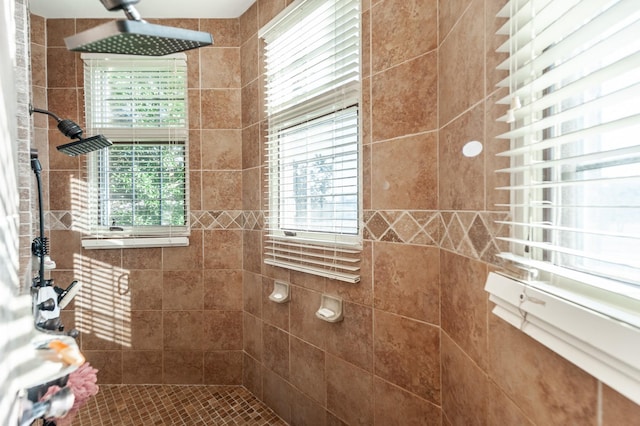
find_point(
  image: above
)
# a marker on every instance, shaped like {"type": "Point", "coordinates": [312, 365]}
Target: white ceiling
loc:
{"type": "Point", "coordinates": [147, 9]}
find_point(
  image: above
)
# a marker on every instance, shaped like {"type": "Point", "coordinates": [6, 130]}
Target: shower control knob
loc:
{"type": "Point", "coordinates": [47, 305]}
{"type": "Point", "coordinates": [71, 333]}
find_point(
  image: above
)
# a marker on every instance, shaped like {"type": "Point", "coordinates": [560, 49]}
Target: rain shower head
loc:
{"type": "Point", "coordinates": [71, 130]}
{"type": "Point", "coordinates": [134, 36]}
{"type": "Point", "coordinates": [137, 38]}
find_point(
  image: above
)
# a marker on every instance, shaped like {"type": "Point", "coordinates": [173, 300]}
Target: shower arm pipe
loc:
{"type": "Point", "coordinates": [72, 130]}
{"type": "Point", "coordinates": [132, 13]}
{"type": "Point", "coordinates": [44, 111]}
{"type": "Point", "coordinates": [126, 6]}
{"type": "Point", "coordinates": [68, 128]}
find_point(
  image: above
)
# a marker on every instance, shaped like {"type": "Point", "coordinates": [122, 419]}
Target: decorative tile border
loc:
{"type": "Point", "coordinates": [254, 220]}
{"type": "Point", "coordinates": [397, 226]}
{"type": "Point", "coordinates": [217, 219]}
{"type": "Point", "coordinates": [472, 234]}
{"type": "Point", "coordinates": [200, 219]}
{"type": "Point", "coordinates": [63, 220]}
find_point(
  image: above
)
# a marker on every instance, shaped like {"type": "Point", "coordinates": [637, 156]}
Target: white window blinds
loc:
{"type": "Point", "coordinates": [312, 56]}
{"type": "Point", "coordinates": [575, 156]}
{"type": "Point", "coordinates": [139, 185]}
{"type": "Point", "coordinates": [572, 280]}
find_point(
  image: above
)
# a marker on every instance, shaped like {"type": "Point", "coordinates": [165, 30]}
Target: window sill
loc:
{"type": "Point", "coordinates": [603, 347]}
{"type": "Point", "coordinates": [120, 243]}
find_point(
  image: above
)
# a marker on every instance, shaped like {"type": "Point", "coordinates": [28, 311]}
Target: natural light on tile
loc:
{"type": "Point", "coordinates": [79, 204]}
{"type": "Point", "coordinates": [103, 307]}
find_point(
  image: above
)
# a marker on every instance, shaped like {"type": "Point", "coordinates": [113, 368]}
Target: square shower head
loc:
{"type": "Point", "coordinates": [84, 146]}
{"type": "Point", "coordinates": [130, 37]}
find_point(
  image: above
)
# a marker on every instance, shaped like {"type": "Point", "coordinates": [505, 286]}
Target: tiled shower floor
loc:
{"type": "Point", "coordinates": [142, 405]}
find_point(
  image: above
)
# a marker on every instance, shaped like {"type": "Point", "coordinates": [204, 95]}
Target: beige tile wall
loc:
{"type": "Point", "coordinates": [170, 315]}
{"type": "Point", "coordinates": [418, 345]}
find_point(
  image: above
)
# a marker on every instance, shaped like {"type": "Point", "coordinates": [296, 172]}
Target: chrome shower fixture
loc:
{"type": "Point", "coordinates": [71, 130]}
{"type": "Point", "coordinates": [48, 299]}
{"type": "Point", "coordinates": [134, 36]}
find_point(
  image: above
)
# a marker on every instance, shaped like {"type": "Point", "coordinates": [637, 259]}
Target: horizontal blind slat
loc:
{"type": "Point", "coordinates": [336, 266]}
{"type": "Point", "coordinates": [551, 227]}
{"type": "Point", "coordinates": [560, 184]}
{"type": "Point", "coordinates": [323, 272]}
{"type": "Point", "coordinates": [615, 154]}
{"type": "Point", "coordinates": [581, 110]}
{"type": "Point", "coordinates": [557, 141]}
{"type": "Point", "coordinates": [289, 253]}
{"type": "Point", "coordinates": [612, 260]}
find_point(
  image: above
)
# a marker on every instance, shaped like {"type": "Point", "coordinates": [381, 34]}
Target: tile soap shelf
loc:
{"type": "Point", "coordinates": [330, 309]}
{"type": "Point", "coordinates": [280, 293]}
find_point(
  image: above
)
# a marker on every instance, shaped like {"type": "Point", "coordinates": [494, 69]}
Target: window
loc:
{"type": "Point", "coordinates": [139, 185]}
{"type": "Point", "coordinates": [572, 279]}
{"type": "Point", "coordinates": [312, 55]}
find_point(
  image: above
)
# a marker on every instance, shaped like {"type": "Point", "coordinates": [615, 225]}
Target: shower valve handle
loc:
{"type": "Point", "coordinates": [73, 333]}
{"type": "Point", "coordinates": [47, 305]}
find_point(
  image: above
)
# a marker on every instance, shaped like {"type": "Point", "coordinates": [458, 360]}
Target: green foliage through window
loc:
{"type": "Point", "coordinates": [146, 185]}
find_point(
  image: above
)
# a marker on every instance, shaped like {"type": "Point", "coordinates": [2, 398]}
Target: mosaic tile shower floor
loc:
{"type": "Point", "coordinates": [142, 405]}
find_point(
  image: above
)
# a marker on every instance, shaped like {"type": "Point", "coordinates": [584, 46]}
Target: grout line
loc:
{"type": "Point", "coordinates": [599, 411]}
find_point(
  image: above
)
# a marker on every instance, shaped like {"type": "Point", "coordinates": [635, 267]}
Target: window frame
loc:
{"type": "Point", "coordinates": [101, 176]}
{"type": "Point", "coordinates": [275, 200]}
{"type": "Point", "coordinates": [326, 246]}
{"type": "Point", "coordinates": [105, 236]}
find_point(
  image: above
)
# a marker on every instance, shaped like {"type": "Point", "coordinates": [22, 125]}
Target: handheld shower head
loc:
{"type": "Point", "coordinates": [71, 130]}
{"type": "Point", "coordinates": [85, 145]}
{"type": "Point", "coordinates": [135, 36]}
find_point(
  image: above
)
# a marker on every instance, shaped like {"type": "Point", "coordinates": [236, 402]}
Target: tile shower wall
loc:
{"type": "Point", "coordinates": [418, 344]}
{"type": "Point", "coordinates": [491, 372]}
{"type": "Point", "coordinates": [382, 363]}
{"type": "Point", "coordinates": [171, 315]}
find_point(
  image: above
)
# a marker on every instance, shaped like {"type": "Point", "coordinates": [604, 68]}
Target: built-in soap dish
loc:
{"type": "Point", "coordinates": [330, 309]}
{"type": "Point", "coordinates": [280, 293]}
